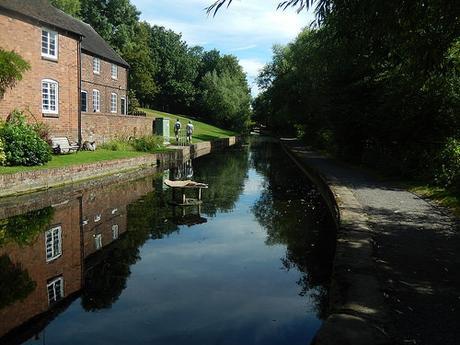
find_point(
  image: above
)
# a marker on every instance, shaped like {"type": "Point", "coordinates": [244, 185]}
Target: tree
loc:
{"type": "Point", "coordinates": [12, 67]}
{"type": "Point", "coordinates": [178, 69]}
{"type": "Point", "coordinates": [71, 7]}
{"type": "Point", "coordinates": [227, 99]}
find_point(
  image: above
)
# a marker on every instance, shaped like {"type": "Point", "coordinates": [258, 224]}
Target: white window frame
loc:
{"type": "Point", "coordinates": [49, 35]}
{"type": "Point", "coordinates": [98, 241]}
{"type": "Point", "coordinates": [125, 110]}
{"type": "Point", "coordinates": [114, 71]}
{"type": "Point", "coordinates": [53, 244]}
{"type": "Point", "coordinates": [113, 102]}
{"type": "Point", "coordinates": [56, 293]}
{"type": "Point", "coordinates": [96, 101]}
{"type": "Point", "coordinates": [115, 232]}
{"type": "Point", "coordinates": [96, 65]}
{"type": "Point", "coordinates": [50, 82]}
{"type": "Point", "coordinates": [86, 103]}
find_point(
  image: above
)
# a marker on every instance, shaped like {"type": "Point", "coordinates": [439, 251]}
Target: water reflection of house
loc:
{"type": "Point", "coordinates": [56, 259]}
{"type": "Point", "coordinates": [53, 262]}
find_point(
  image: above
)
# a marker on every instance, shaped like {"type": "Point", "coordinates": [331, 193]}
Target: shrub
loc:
{"type": "Point", "coordinates": [117, 145]}
{"type": "Point", "coordinates": [448, 172]}
{"type": "Point", "coordinates": [22, 144]}
{"type": "Point", "coordinates": [148, 143]}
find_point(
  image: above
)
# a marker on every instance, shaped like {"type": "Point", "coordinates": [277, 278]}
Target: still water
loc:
{"type": "Point", "coordinates": [117, 264]}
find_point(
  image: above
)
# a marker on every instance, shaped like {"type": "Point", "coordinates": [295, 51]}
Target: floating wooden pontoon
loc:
{"type": "Point", "coordinates": [183, 185]}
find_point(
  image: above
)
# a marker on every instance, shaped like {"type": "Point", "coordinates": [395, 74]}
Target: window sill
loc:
{"type": "Point", "coordinates": [50, 58]}
{"type": "Point", "coordinates": [55, 115]}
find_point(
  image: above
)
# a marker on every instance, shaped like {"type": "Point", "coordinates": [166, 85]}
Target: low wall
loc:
{"type": "Point", "coordinates": [104, 127]}
{"type": "Point", "coordinates": [31, 181]}
{"type": "Point", "coordinates": [356, 308]}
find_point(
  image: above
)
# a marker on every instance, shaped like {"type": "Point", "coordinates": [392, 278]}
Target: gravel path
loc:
{"type": "Point", "coordinates": [416, 253]}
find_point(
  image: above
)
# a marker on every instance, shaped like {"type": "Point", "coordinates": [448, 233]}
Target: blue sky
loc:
{"type": "Point", "coordinates": [247, 29]}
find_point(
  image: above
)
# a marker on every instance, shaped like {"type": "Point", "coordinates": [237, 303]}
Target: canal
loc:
{"type": "Point", "coordinates": [115, 263]}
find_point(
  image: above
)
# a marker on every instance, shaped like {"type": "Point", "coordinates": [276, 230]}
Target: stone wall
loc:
{"type": "Point", "coordinates": [104, 127]}
{"type": "Point", "coordinates": [24, 37]}
{"type": "Point", "coordinates": [32, 181]}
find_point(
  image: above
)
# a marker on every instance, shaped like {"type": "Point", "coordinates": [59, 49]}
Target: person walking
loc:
{"type": "Point", "coordinates": [189, 132]}
{"type": "Point", "coordinates": [177, 127]}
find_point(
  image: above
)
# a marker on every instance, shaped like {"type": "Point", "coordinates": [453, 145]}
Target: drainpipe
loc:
{"type": "Point", "coordinates": [79, 93]}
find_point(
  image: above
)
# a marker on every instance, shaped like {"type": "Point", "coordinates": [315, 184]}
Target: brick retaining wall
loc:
{"type": "Point", "coordinates": [104, 127]}
{"type": "Point", "coordinates": [30, 181]}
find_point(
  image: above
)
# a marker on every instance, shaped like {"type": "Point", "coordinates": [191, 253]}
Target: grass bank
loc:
{"type": "Point", "coordinates": [82, 157]}
{"type": "Point", "coordinates": [438, 195]}
{"type": "Point", "coordinates": [202, 131]}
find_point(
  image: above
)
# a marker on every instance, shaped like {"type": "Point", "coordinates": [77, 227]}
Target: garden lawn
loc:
{"type": "Point", "coordinates": [202, 131]}
{"type": "Point", "coordinates": [82, 157]}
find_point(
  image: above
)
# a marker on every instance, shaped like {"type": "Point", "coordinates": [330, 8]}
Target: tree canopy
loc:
{"type": "Point", "coordinates": [377, 82]}
{"type": "Point", "coordinates": [165, 72]}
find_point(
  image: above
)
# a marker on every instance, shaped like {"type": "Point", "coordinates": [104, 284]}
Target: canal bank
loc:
{"type": "Point", "coordinates": [32, 181]}
{"type": "Point", "coordinates": [251, 265]}
{"type": "Point", "coordinates": [394, 264]}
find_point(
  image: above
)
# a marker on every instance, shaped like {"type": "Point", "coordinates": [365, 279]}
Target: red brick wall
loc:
{"type": "Point", "coordinates": [33, 259]}
{"type": "Point", "coordinates": [104, 127]}
{"type": "Point", "coordinates": [25, 39]}
{"type": "Point", "coordinates": [104, 83]}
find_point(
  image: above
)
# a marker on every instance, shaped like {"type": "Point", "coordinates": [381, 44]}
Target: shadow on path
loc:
{"type": "Point", "coordinates": [416, 255]}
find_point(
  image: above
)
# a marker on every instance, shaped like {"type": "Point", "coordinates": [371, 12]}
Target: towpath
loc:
{"type": "Point", "coordinates": [415, 254]}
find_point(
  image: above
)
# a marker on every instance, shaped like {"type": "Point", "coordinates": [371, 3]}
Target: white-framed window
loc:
{"type": "Point", "coordinates": [96, 101]}
{"type": "Point", "coordinates": [96, 65]}
{"type": "Point", "coordinates": [49, 44]}
{"type": "Point", "coordinates": [123, 105]}
{"type": "Point", "coordinates": [84, 101]}
{"type": "Point", "coordinates": [98, 241]}
{"type": "Point", "coordinates": [113, 102]}
{"type": "Point", "coordinates": [115, 232]}
{"type": "Point", "coordinates": [50, 96]}
{"type": "Point", "coordinates": [53, 243]}
{"type": "Point", "coordinates": [55, 289]}
{"type": "Point", "coordinates": [114, 71]}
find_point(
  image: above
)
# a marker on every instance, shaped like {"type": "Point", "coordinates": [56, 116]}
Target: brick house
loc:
{"type": "Point", "coordinates": [77, 83]}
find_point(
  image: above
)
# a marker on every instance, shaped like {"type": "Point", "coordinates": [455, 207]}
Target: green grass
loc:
{"type": "Point", "coordinates": [82, 157]}
{"type": "Point", "coordinates": [202, 131]}
{"type": "Point", "coordinates": [439, 195]}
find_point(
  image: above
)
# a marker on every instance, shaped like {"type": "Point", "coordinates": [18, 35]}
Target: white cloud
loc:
{"type": "Point", "coordinates": [247, 29]}
{"type": "Point", "coordinates": [252, 66]}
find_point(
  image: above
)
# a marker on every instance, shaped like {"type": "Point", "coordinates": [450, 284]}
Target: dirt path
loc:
{"type": "Point", "coordinates": [416, 254]}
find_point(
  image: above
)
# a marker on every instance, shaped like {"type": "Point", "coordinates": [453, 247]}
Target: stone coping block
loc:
{"type": "Point", "coordinates": [32, 181]}
{"type": "Point", "coordinates": [357, 311]}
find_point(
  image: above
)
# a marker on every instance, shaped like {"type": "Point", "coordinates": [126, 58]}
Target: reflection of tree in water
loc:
{"type": "Point", "coordinates": [152, 217]}
{"type": "Point", "coordinates": [225, 173]}
{"type": "Point", "coordinates": [293, 213]}
{"type": "Point", "coordinates": [23, 229]}
{"type": "Point", "coordinates": [15, 283]}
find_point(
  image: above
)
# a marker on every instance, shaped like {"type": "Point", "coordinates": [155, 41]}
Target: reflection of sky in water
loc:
{"type": "Point", "coordinates": [214, 283]}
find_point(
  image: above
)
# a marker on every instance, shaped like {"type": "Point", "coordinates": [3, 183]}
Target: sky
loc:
{"type": "Point", "coordinates": [247, 29]}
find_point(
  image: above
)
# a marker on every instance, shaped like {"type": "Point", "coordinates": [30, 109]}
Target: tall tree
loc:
{"type": "Point", "coordinates": [71, 7]}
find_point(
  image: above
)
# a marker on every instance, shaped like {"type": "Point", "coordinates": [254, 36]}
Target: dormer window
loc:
{"type": "Point", "coordinates": [96, 65]}
{"type": "Point", "coordinates": [49, 44]}
{"type": "Point", "coordinates": [114, 71]}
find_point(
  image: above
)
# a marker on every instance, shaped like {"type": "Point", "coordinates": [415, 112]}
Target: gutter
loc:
{"type": "Point", "coordinates": [79, 92]}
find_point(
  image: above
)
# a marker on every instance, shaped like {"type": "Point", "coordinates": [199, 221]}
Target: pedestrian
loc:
{"type": "Point", "coordinates": [189, 132]}
{"type": "Point", "coordinates": [177, 127]}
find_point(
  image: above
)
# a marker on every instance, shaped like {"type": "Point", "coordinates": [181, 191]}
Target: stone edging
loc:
{"type": "Point", "coordinates": [357, 313]}
{"type": "Point", "coordinates": [33, 181]}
